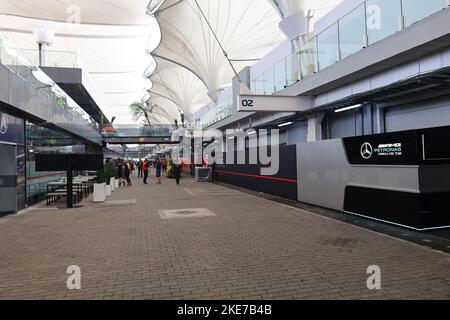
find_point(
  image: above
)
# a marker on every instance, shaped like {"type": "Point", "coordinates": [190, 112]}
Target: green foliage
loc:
{"type": "Point", "coordinates": [140, 109]}
{"type": "Point", "coordinates": [106, 174]}
{"type": "Point", "coordinates": [101, 176]}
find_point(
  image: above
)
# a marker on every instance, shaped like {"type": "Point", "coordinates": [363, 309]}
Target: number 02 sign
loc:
{"type": "Point", "coordinates": [260, 103]}
{"type": "Point", "coordinates": [247, 103]}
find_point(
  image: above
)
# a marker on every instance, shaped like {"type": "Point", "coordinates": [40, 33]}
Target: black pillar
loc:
{"type": "Point", "coordinates": [69, 183]}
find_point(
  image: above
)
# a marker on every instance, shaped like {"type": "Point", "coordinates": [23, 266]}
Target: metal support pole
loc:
{"type": "Point", "coordinates": [40, 54]}
{"type": "Point", "coordinates": [69, 183]}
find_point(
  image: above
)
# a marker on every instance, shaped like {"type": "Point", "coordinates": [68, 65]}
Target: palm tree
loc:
{"type": "Point", "coordinates": [141, 109]}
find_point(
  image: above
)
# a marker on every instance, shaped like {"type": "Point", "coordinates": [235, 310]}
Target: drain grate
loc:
{"type": "Point", "coordinates": [186, 213]}
{"type": "Point", "coordinates": [118, 203]}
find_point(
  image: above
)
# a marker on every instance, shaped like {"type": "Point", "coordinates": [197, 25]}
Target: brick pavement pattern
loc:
{"type": "Point", "coordinates": [252, 248]}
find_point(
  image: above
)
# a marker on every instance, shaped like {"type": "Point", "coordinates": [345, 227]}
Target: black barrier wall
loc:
{"type": "Point", "coordinates": [283, 184]}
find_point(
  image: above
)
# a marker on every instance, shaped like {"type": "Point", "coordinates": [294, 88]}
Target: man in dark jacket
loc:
{"type": "Point", "coordinates": [177, 169]}
{"type": "Point", "coordinates": [140, 165]}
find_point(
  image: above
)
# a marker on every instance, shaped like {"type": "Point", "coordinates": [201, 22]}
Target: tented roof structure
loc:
{"type": "Point", "coordinates": [246, 29]}
{"type": "Point", "coordinates": [285, 8]}
{"type": "Point", "coordinates": [111, 38]}
{"type": "Point", "coordinates": [113, 56]}
{"type": "Point", "coordinates": [288, 7]}
{"type": "Point", "coordinates": [178, 85]}
{"type": "Point", "coordinates": [104, 12]}
{"type": "Point", "coordinates": [164, 111]}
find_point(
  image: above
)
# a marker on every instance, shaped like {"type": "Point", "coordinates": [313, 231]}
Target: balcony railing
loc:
{"type": "Point", "coordinates": [56, 59]}
{"type": "Point", "coordinates": [370, 22]}
{"type": "Point", "coordinates": [137, 130]}
{"type": "Point", "coordinates": [222, 111]}
{"type": "Point", "coordinates": [63, 111]}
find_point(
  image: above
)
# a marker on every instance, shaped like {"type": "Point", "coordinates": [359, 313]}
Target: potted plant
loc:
{"type": "Point", "coordinates": [100, 187]}
{"type": "Point", "coordinates": [110, 176]}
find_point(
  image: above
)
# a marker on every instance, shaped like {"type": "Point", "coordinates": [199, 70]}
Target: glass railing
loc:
{"type": "Point", "coordinates": [136, 130]}
{"type": "Point", "coordinates": [221, 111]}
{"type": "Point", "coordinates": [61, 109]}
{"type": "Point", "coordinates": [366, 24]}
{"type": "Point", "coordinates": [283, 74]}
{"type": "Point", "coordinates": [57, 59]}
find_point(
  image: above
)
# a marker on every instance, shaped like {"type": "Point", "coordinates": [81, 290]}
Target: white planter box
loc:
{"type": "Point", "coordinates": [108, 190]}
{"type": "Point", "coordinates": [116, 184]}
{"type": "Point", "coordinates": [99, 192]}
{"type": "Point", "coordinates": [112, 183]}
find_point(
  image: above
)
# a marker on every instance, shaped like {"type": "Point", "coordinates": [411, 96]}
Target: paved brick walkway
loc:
{"type": "Point", "coordinates": [249, 248]}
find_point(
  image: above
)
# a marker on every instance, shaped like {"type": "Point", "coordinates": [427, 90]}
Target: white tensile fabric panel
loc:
{"type": "Point", "coordinates": [286, 8]}
{"type": "Point", "coordinates": [247, 29]}
{"type": "Point", "coordinates": [106, 12]}
{"type": "Point", "coordinates": [179, 85]}
{"type": "Point", "coordinates": [165, 111]}
{"type": "Point", "coordinates": [289, 7]}
{"type": "Point", "coordinates": [114, 57]}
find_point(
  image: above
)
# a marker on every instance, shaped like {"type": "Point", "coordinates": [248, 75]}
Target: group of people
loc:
{"type": "Point", "coordinates": [124, 170]}
{"type": "Point", "coordinates": [161, 165]}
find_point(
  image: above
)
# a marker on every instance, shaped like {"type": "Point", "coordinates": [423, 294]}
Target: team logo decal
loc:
{"type": "Point", "coordinates": [3, 122]}
{"type": "Point", "coordinates": [366, 150]}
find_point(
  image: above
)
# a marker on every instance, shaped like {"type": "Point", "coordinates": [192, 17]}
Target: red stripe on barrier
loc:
{"type": "Point", "coordinates": [257, 176]}
{"type": "Point", "coordinates": [46, 176]}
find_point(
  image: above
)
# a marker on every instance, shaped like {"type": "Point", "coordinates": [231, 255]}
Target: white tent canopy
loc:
{"type": "Point", "coordinates": [111, 37]}
{"type": "Point", "coordinates": [178, 85]}
{"type": "Point", "coordinates": [164, 111]}
{"type": "Point", "coordinates": [113, 56]}
{"type": "Point", "coordinates": [104, 12]}
{"type": "Point", "coordinates": [246, 29]}
{"type": "Point", "coordinates": [288, 7]}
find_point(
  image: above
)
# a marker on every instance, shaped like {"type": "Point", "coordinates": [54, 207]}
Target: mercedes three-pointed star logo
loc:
{"type": "Point", "coordinates": [3, 122]}
{"type": "Point", "coordinates": [366, 151]}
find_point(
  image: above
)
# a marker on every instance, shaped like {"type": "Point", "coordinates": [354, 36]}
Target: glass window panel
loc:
{"type": "Point", "coordinates": [327, 45]}
{"type": "Point", "coordinates": [253, 86]}
{"type": "Point", "coordinates": [383, 19]}
{"type": "Point", "coordinates": [269, 83]}
{"type": "Point", "coordinates": [308, 58]}
{"type": "Point", "coordinates": [352, 32]}
{"type": "Point", "coordinates": [280, 75]}
{"type": "Point", "coordinates": [293, 68]}
{"type": "Point", "coordinates": [259, 85]}
{"type": "Point", "coordinates": [415, 10]}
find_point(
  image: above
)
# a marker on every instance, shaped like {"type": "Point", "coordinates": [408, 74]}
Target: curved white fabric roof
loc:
{"type": "Point", "coordinates": [288, 7]}
{"type": "Point", "coordinates": [105, 12]}
{"type": "Point", "coordinates": [165, 111]}
{"type": "Point", "coordinates": [113, 56]}
{"type": "Point", "coordinates": [285, 8]}
{"type": "Point", "coordinates": [113, 36]}
{"type": "Point", "coordinates": [247, 29]}
{"type": "Point", "coordinates": [178, 85]}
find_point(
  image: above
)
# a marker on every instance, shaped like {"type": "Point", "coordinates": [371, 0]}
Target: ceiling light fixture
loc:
{"type": "Point", "coordinates": [356, 106]}
{"type": "Point", "coordinates": [285, 124]}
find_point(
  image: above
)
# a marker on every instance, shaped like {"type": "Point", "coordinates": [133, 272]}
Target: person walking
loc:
{"type": "Point", "coordinates": [164, 165]}
{"type": "Point", "coordinates": [177, 169]}
{"type": "Point", "coordinates": [158, 166]}
{"type": "Point", "coordinates": [140, 171]}
{"type": "Point", "coordinates": [127, 173]}
{"type": "Point", "coordinates": [169, 168]}
{"type": "Point", "coordinates": [145, 169]}
{"type": "Point", "coordinates": [120, 172]}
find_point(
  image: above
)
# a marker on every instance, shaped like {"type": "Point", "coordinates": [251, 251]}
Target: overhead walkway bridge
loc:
{"type": "Point", "coordinates": [139, 134]}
